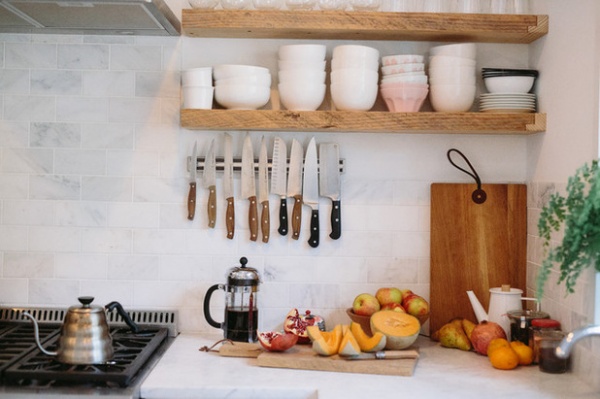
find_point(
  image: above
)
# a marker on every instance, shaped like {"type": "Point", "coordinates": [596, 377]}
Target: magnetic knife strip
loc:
{"type": "Point", "coordinates": [237, 164]}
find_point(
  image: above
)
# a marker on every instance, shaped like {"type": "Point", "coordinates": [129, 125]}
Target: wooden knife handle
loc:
{"type": "Point", "coordinates": [212, 206]}
{"type": "Point", "coordinates": [191, 203]}
{"type": "Point", "coordinates": [283, 217]}
{"type": "Point", "coordinates": [230, 218]}
{"type": "Point", "coordinates": [400, 354]}
{"type": "Point", "coordinates": [336, 220]}
{"type": "Point", "coordinates": [265, 222]}
{"type": "Point", "coordinates": [296, 217]}
{"type": "Point", "coordinates": [313, 241]}
{"type": "Point", "coordinates": [253, 218]}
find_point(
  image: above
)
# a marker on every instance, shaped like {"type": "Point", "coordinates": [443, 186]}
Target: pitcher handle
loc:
{"type": "Point", "coordinates": [207, 315]}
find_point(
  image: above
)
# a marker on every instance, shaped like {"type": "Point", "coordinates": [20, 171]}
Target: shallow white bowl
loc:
{"type": "Point", "coordinates": [301, 96]}
{"type": "Point", "coordinates": [401, 59]}
{"type": "Point", "coordinates": [302, 75]}
{"type": "Point", "coordinates": [353, 96]}
{"type": "Point", "coordinates": [197, 77]}
{"type": "Point", "coordinates": [452, 98]}
{"type": "Point", "coordinates": [242, 96]}
{"type": "Point", "coordinates": [466, 50]}
{"type": "Point", "coordinates": [355, 51]}
{"type": "Point", "coordinates": [226, 71]}
{"type": "Point", "coordinates": [198, 97]}
{"type": "Point", "coordinates": [509, 84]}
{"type": "Point", "coordinates": [285, 65]}
{"type": "Point", "coordinates": [260, 80]}
{"type": "Point", "coordinates": [302, 52]}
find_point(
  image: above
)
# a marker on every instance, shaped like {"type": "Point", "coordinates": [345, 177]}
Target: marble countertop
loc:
{"type": "Point", "coordinates": [186, 372]}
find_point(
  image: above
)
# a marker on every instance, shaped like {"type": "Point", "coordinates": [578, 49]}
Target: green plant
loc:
{"type": "Point", "coordinates": [579, 212]}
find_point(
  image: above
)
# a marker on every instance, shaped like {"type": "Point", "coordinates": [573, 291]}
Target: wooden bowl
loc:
{"type": "Point", "coordinates": [365, 321]}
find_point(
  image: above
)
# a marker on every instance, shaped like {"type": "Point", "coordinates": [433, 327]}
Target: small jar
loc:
{"type": "Point", "coordinates": [535, 335]}
{"type": "Point", "coordinates": [549, 362]}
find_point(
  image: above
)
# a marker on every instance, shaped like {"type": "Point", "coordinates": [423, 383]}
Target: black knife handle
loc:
{"type": "Point", "coordinates": [313, 241]}
{"type": "Point", "coordinates": [283, 217]}
{"type": "Point", "coordinates": [336, 220]}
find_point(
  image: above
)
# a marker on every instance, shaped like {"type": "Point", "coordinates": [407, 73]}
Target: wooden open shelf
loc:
{"type": "Point", "coordinates": [374, 122]}
{"type": "Point", "coordinates": [348, 25]}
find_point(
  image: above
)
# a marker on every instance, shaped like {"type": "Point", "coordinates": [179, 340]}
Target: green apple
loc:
{"type": "Point", "coordinates": [388, 295]}
{"type": "Point", "coordinates": [365, 305]}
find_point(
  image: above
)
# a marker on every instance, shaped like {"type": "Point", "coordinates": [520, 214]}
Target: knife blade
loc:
{"type": "Point", "coordinates": [210, 182]}
{"type": "Point", "coordinates": [310, 191]}
{"type": "Point", "coordinates": [294, 188]}
{"type": "Point", "coordinates": [382, 355]}
{"type": "Point", "coordinates": [248, 186]}
{"type": "Point", "coordinates": [329, 184]}
{"type": "Point", "coordinates": [278, 182]}
{"type": "Point", "coordinates": [263, 190]}
{"type": "Point", "coordinates": [191, 202]}
{"type": "Point", "coordinates": [228, 186]}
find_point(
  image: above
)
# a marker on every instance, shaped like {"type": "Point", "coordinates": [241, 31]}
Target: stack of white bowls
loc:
{"type": "Point", "coordinates": [404, 85]}
{"type": "Point", "coordinates": [242, 87]}
{"type": "Point", "coordinates": [354, 77]}
{"type": "Point", "coordinates": [197, 88]}
{"type": "Point", "coordinates": [452, 77]}
{"type": "Point", "coordinates": [302, 76]}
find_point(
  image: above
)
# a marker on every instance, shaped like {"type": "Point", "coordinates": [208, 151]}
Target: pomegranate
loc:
{"type": "Point", "coordinates": [277, 342]}
{"type": "Point", "coordinates": [296, 323]}
{"type": "Point", "coordinates": [484, 333]}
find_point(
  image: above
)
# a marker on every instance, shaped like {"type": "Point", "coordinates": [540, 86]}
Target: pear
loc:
{"type": "Point", "coordinates": [468, 326]}
{"type": "Point", "coordinates": [452, 335]}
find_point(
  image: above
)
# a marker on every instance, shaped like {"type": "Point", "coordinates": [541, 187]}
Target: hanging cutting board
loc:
{"type": "Point", "coordinates": [475, 246]}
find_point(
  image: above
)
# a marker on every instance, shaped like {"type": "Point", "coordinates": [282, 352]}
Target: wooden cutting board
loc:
{"type": "Point", "coordinates": [304, 358]}
{"type": "Point", "coordinates": [475, 246]}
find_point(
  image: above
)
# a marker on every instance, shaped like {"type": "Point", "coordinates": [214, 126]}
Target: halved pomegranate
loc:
{"type": "Point", "coordinates": [277, 342]}
{"type": "Point", "coordinates": [296, 323]}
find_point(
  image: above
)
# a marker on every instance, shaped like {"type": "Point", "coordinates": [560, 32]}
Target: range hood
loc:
{"type": "Point", "coordinates": [89, 17]}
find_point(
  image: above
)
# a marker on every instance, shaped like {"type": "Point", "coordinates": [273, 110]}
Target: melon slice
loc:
{"type": "Point", "coordinates": [400, 329]}
{"type": "Point", "coordinates": [349, 346]}
{"type": "Point", "coordinates": [366, 343]}
{"type": "Point", "coordinates": [314, 332]}
{"type": "Point", "coordinates": [328, 343]}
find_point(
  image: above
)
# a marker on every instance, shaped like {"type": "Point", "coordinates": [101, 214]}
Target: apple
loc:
{"type": "Point", "coordinates": [405, 293]}
{"type": "Point", "coordinates": [415, 305]}
{"type": "Point", "coordinates": [365, 305]}
{"type": "Point", "coordinates": [393, 306]}
{"type": "Point", "coordinates": [388, 295]}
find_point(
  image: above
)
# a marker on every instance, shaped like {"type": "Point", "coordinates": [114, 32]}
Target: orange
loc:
{"type": "Point", "coordinates": [504, 358]}
{"type": "Point", "coordinates": [497, 343]}
{"type": "Point", "coordinates": [524, 352]}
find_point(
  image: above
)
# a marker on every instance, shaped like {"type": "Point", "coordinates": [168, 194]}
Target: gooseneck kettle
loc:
{"type": "Point", "coordinates": [241, 304]}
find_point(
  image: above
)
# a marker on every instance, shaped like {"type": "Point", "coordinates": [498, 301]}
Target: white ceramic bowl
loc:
{"type": "Point", "coordinates": [402, 68]}
{"type": "Point", "coordinates": [452, 98]}
{"type": "Point", "coordinates": [203, 4]}
{"type": "Point", "coordinates": [303, 52]}
{"type": "Point", "coordinates": [301, 96]}
{"type": "Point", "coordinates": [354, 76]}
{"type": "Point", "coordinates": [418, 79]}
{"type": "Point", "coordinates": [465, 50]}
{"type": "Point", "coordinates": [225, 71]}
{"type": "Point", "coordinates": [452, 72]}
{"type": "Point", "coordinates": [353, 96]}
{"type": "Point", "coordinates": [447, 60]}
{"type": "Point", "coordinates": [260, 80]}
{"type": "Point", "coordinates": [242, 96]}
{"type": "Point", "coordinates": [509, 84]}
{"type": "Point", "coordinates": [404, 98]}
{"type": "Point", "coordinates": [354, 62]}
{"type": "Point", "coordinates": [198, 97]}
{"type": "Point", "coordinates": [401, 59]}
{"type": "Point", "coordinates": [285, 65]}
{"type": "Point", "coordinates": [302, 75]}
{"type": "Point", "coordinates": [197, 77]}
{"type": "Point", "coordinates": [354, 51]}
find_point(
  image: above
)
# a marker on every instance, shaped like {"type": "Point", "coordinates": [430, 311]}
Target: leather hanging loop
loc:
{"type": "Point", "coordinates": [479, 195]}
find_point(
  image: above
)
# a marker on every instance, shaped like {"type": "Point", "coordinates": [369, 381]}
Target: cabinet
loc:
{"type": "Point", "coordinates": [336, 25]}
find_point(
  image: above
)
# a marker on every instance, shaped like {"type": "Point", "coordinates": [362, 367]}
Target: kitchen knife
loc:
{"type": "Point", "coordinates": [329, 184]}
{"type": "Point", "coordinates": [191, 202]}
{"type": "Point", "coordinates": [248, 186]}
{"type": "Point", "coordinates": [310, 191]}
{"type": "Point", "coordinates": [279, 181]}
{"type": "Point", "coordinates": [381, 355]}
{"type": "Point", "coordinates": [294, 188]}
{"type": "Point", "coordinates": [210, 182]}
{"type": "Point", "coordinates": [228, 186]}
{"type": "Point", "coordinates": [263, 190]}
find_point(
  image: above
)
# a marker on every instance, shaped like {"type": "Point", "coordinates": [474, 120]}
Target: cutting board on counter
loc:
{"type": "Point", "coordinates": [302, 357]}
{"type": "Point", "coordinates": [474, 246]}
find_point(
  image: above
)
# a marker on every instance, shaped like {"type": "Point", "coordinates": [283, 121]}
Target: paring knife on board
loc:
{"type": "Point", "coordinates": [191, 202]}
{"type": "Point", "coordinates": [210, 182]}
{"type": "Point", "coordinates": [310, 191]}
{"type": "Point", "coordinates": [248, 186]}
{"type": "Point", "coordinates": [279, 181]}
{"type": "Point", "coordinates": [329, 184]}
{"type": "Point", "coordinates": [294, 187]}
{"type": "Point", "coordinates": [263, 191]}
{"type": "Point", "coordinates": [382, 355]}
{"type": "Point", "coordinates": [228, 186]}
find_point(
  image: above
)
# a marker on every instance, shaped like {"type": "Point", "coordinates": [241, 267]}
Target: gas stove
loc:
{"type": "Point", "coordinates": [27, 372]}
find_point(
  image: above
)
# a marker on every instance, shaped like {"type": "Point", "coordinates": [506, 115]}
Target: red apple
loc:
{"type": "Point", "coordinates": [415, 305]}
{"type": "Point", "coordinates": [393, 306]}
{"type": "Point", "coordinates": [365, 305]}
{"type": "Point", "coordinates": [388, 295]}
{"type": "Point", "coordinates": [405, 293]}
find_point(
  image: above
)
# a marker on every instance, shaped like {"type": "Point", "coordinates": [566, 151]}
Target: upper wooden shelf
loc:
{"type": "Point", "coordinates": [348, 25]}
{"type": "Point", "coordinates": [374, 121]}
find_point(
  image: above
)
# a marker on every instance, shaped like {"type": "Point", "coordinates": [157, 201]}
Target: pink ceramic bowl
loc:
{"type": "Point", "coordinates": [404, 98]}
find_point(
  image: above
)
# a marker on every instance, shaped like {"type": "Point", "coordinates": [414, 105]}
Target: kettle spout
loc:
{"type": "Point", "coordinates": [480, 312]}
{"type": "Point", "coordinates": [36, 332]}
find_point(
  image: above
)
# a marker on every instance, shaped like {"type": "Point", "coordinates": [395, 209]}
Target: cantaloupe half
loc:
{"type": "Point", "coordinates": [349, 346]}
{"type": "Point", "coordinates": [328, 343]}
{"type": "Point", "coordinates": [366, 343]}
{"type": "Point", "coordinates": [400, 329]}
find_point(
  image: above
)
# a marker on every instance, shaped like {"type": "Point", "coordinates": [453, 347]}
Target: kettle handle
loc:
{"type": "Point", "coordinates": [130, 323]}
{"type": "Point", "coordinates": [207, 315]}
{"type": "Point", "coordinates": [36, 332]}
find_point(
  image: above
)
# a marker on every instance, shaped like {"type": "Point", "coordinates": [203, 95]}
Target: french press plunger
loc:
{"type": "Point", "coordinates": [241, 304]}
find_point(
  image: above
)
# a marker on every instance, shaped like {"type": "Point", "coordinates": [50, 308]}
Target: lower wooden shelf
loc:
{"type": "Point", "coordinates": [366, 122]}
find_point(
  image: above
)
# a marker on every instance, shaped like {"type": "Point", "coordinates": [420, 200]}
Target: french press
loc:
{"type": "Point", "coordinates": [241, 304]}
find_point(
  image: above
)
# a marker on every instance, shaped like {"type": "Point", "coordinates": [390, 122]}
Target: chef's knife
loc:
{"type": "Point", "coordinates": [248, 186]}
{"type": "Point", "coordinates": [263, 191]}
{"type": "Point", "coordinates": [294, 188]}
{"type": "Point", "coordinates": [228, 186]}
{"type": "Point", "coordinates": [191, 202]}
{"type": "Point", "coordinates": [329, 184]}
{"type": "Point", "coordinates": [310, 191]}
{"type": "Point", "coordinates": [210, 182]}
{"type": "Point", "coordinates": [380, 355]}
{"type": "Point", "coordinates": [278, 182]}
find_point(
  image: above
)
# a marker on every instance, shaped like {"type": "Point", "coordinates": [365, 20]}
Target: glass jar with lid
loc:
{"type": "Point", "coordinates": [549, 362]}
{"type": "Point", "coordinates": [537, 327]}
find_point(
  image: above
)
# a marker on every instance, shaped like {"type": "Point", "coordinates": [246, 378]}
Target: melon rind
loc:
{"type": "Point", "coordinates": [328, 343]}
{"type": "Point", "coordinates": [349, 346]}
{"type": "Point", "coordinates": [366, 343]}
{"type": "Point", "coordinates": [400, 329]}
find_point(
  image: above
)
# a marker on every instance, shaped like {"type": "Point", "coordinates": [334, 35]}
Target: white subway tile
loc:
{"type": "Point", "coordinates": [109, 83]}
{"type": "Point", "coordinates": [81, 266]}
{"type": "Point", "coordinates": [139, 110]}
{"type": "Point", "coordinates": [48, 82]}
{"type": "Point", "coordinates": [28, 213]}
{"type": "Point", "coordinates": [173, 294]}
{"type": "Point", "coordinates": [133, 163]}
{"type": "Point", "coordinates": [53, 187]}
{"type": "Point", "coordinates": [53, 292]}
{"type": "Point", "coordinates": [54, 239]}
{"type": "Point", "coordinates": [152, 136]}
{"type": "Point", "coordinates": [133, 215]}
{"type": "Point", "coordinates": [28, 265]}
{"type": "Point", "coordinates": [106, 291]}
{"type": "Point", "coordinates": [14, 81]}
{"type": "Point", "coordinates": [14, 134]}
{"type": "Point", "coordinates": [137, 58]}
{"type": "Point", "coordinates": [83, 56]}
{"type": "Point", "coordinates": [13, 186]}
{"type": "Point", "coordinates": [30, 55]}
{"type": "Point", "coordinates": [14, 291]}
{"type": "Point", "coordinates": [159, 241]}
{"type": "Point", "coordinates": [82, 109]}
{"type": "Point", "coordinates": [383, 270]}
{"type": "Point", "coordinates": [81, 213]}
{"type": "Point", "coordinates": [148, 189]}
{"type": "Point", "coordinates": [107, 135]}
{"type": "Point", "coordinates": [106, 240]}
{"type": "Point", "coordinates": [133, 267]}
{"type": "Point", "coordinates": [26, 160]}
{"type": "Point", "coordinates": [157, 84]}
{"type": "Point", "coordinates": [314, 295]}
{"type": "Point", "coordinates": [29, 108]}
{"type": "Point", "coordinates": [98, 188]}
{"type": "Point", "coordinates": [54, 134]}
{"type": "Point", "coordinates": [80, 162]}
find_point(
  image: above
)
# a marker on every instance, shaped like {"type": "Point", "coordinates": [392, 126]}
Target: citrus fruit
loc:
{"type": "Point", "coordinates": [504, 358]}
{"type": "Point", "coordinates": [497, 343]}
{"type": "Point", "coordinates": [524, 352]}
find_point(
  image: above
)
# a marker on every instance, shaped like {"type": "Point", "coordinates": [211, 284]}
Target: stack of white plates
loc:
{"type": "Point", "coordinates": [507, 102]}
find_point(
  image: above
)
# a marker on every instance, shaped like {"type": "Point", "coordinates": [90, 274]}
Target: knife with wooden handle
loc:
{"type": "Point", "coordinates": [263, 191]}
{"type": "Point", "coordinates": [249, 187]}
{"type": "Point", "coordinates": [210, 182]}
{"type": "Point", "coordinates": [381, 355]}
{"type": "Point", "coordinates": [191, 201]}
{"type": "Point", "coordinates": [228, 187]}
{"type": "Point", "coordinates": [295, 186]}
